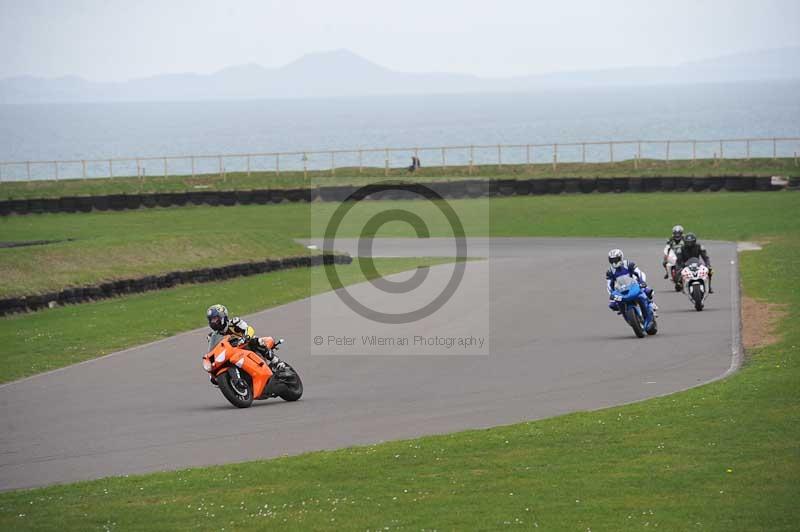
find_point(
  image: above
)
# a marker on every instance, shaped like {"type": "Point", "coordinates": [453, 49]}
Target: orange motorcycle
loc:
{"type": "Point", "coordinates": [243, 375]}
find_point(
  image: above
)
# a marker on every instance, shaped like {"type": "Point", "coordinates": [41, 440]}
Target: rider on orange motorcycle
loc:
{"type": "Point", "coordinates": [217, 316]}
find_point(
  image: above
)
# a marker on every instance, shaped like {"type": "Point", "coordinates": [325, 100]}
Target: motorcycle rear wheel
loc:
{"type": "Point", "coordinates": [293, 387]}
{"type": "Point", "coordinates": [229, 390]}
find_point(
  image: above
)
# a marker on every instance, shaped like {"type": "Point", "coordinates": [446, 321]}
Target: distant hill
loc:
{"type": "Point", "coordinates": [343, 73]}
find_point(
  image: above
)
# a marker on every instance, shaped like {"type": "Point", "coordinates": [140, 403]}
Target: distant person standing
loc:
{"type": "Point", "coordinates": [415, 164]}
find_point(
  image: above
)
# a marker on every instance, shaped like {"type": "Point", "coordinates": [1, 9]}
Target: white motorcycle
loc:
{"type": "Point", "coordinates": [670, 261]}
{"type": "Point", "coordinates": [695, 282]}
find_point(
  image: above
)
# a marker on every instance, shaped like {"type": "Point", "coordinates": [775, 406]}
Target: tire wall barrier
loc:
{"type": "Point", "coordinates": [149, 283]}
{"type": "Point", "coordinates": [447, 189]}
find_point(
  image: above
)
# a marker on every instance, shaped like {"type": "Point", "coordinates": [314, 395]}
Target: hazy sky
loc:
{"type": "Point", "coordinates": [122, 39]}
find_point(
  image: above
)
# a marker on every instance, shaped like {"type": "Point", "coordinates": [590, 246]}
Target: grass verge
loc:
{"type": "Point", "coordinates": [720, 457]}
{"type": "Point", "coordinates": [352, 176]}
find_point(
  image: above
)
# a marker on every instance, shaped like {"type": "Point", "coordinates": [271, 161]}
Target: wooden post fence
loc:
{"type": "Point", "coordinates": [471, 158]}
{"type": "Point", "coordinates": [528, 157]}
{"type": "Point", "coordinates": [141, 162]}
{"type": "Point", "coordinates": [555, 157]}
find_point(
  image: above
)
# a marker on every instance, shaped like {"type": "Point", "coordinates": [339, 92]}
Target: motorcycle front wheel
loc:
{"type": "Point", "coordinates": [240, 393]}
{"type": "Point", "coordinates": [697, 297]}
{"type": "Point", "coordinates": [635, 321]}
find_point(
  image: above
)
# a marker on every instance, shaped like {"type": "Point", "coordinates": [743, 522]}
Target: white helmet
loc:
{"type": "Point", "coordinates": [677, 231]}
{"type": "Point", "coordinates": [615, 258]}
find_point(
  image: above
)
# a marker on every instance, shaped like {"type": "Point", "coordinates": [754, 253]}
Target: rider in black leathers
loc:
{"type": "Point", "coordinates": [692, 249]}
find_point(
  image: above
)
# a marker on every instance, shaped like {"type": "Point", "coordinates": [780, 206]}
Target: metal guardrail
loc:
{"type": "Point", "coordinates": [442, 156]}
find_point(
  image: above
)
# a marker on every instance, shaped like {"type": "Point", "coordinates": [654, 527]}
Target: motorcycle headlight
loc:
{"type": "Point", "coordinates": [220, 358]}
{"type": "Point", "coordinates": [206, 364]}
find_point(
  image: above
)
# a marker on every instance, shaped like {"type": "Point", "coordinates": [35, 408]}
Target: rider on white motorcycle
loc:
{"type": "Point", "coordinates": [675, 241]}
{"type": "Point", "coordinates": [691, 248]}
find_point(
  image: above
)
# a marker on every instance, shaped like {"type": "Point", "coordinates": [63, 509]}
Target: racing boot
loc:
{"type": "Point", "coordinates": [274, 362]}
{"type": "Point", "coordinates": [649, 293]}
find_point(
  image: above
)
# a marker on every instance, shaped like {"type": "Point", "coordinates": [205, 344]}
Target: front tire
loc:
{"type": "Point", "coordinates": [238, 394]}
{"type": "Point", "coordinates": [634, 321]}
{"type": "Point", "coordinates": [697, 297]}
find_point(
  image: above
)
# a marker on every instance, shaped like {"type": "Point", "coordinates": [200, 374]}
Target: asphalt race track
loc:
{"type": "Point", "coordinates": [551, 347]}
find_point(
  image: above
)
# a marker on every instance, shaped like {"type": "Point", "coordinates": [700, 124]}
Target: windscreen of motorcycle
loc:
{"type": "Point", "coordinates": [213, 339]}
{"type": "Point", "coordinates": [624, 283]}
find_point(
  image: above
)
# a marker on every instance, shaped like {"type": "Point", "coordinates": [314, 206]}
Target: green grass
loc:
{"type": "Point", "coordinates": [260, 180]}
{"type": "Point", "coordinates": [54, 338]}
{"type": "Point", "coordinates": [720, 457]}
{"type": "Point", "coordinates": [110, 246]}
{"type": "Point", "coordinates": [114, 245]}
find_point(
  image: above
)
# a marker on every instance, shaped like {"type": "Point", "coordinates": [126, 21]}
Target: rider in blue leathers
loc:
{"type": "Point", "coordinates": [619, 267]}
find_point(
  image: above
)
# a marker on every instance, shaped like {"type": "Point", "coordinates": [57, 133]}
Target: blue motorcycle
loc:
{"type": "Point", "coordinates": [634, 306]}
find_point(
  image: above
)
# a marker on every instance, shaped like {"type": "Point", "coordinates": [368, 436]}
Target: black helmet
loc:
{"type": "Point", "coordinates": [690, 239]}
{"type": "Point", "coordinates": [217, 317]}
{"type": "Point", "coordinates": [677, 232]}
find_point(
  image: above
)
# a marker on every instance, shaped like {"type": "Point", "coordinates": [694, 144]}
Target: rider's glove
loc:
{"type": "Point", "coordinates": [239, 340]}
